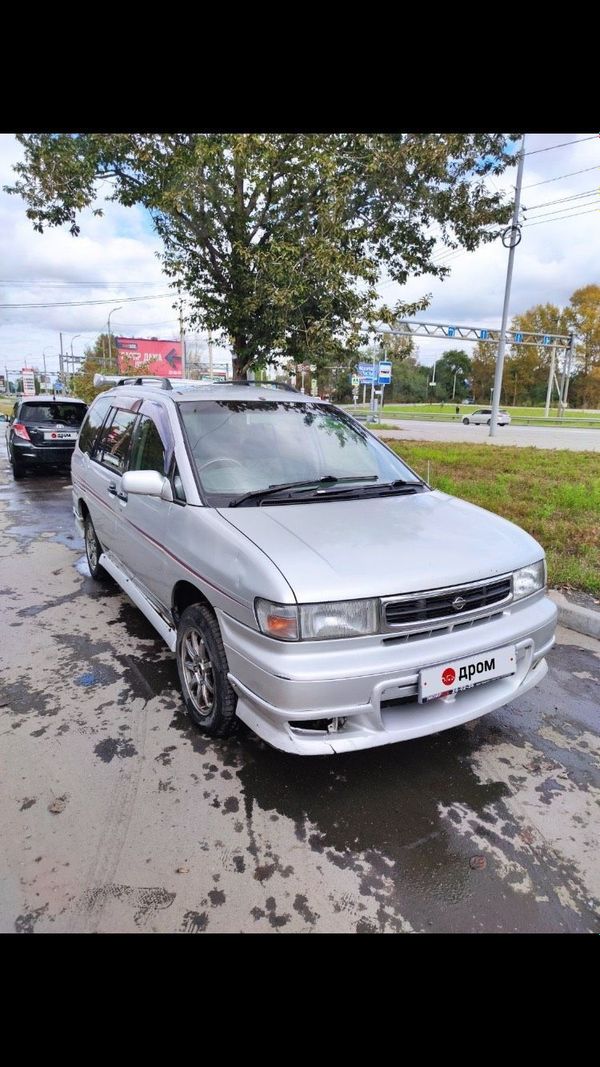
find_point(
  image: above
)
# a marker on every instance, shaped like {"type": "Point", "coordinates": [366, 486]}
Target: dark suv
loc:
{"type": "Point", "coordinates": [42, 430]}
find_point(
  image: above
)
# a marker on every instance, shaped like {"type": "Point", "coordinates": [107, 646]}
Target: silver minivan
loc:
{"type": "Point", "coordinates": [307, 580]}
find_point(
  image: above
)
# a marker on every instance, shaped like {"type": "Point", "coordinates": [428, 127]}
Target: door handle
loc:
{"type": "Point", "coordinates": [112, 489]}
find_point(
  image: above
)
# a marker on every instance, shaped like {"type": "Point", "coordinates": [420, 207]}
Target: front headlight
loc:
{"type": "Point", "coordinates": [318, 622]}
{"type": "Point", "coordinates": [339, 618]}
{"type": "Point", "coordinates": [529, 580]}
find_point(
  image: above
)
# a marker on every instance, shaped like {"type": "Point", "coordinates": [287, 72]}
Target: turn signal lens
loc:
{"type": "Point", "coordinates": [21, 431]}
{"type": "Point", "coordinates": [277, 620]}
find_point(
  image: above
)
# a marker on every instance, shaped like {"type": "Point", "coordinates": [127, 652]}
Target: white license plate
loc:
{"type": "Point", "coordinates": [59, 435]}
{"type": "Point", "coordinates": [457, 674]}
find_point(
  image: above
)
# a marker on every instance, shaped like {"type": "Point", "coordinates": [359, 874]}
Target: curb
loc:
{"type": "Point", "coordinates": [575, 616]}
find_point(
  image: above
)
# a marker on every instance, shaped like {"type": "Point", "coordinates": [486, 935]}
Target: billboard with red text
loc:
{"type": "Point", "coordinates": [149, 356]}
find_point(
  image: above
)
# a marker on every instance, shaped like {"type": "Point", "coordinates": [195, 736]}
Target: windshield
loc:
{"type": "Point", "coordinates": [240, 447]}
{"type": "Point", "coordinates": [69, 414]}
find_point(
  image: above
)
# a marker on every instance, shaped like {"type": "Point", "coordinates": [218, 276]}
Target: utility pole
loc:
{"type": "Point", "coordinates": [561, 387]}
{"type": "Point", "coordinates": [373, 413]}
{"type": "Point", "coordinates": [454, 386]}
{"type": "Point", "coordinates": [550, 377]}
{"type": "Point", "coordinates": [569, 358]}
{"type": "Point", "coordinates": [210, 360]}
{"type": "Point", "coordinates": [183, 343]}
{"type": "Point", "coordinates": [111, 312]}
{"type": "Point", "coordinates": [515, 237]}
{"type": "Point", "coordinates": [61, 363]}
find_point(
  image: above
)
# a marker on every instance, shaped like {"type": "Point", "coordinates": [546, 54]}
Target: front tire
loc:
{"type": "Point", "coordinates": [93, 551]}
{"type": "Point", "coordinates": [202, 667]}
{"type": "Point", "coordinates": [465, 421]}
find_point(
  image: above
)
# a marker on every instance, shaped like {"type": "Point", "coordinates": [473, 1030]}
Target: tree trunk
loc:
{"type": "Point", "coordinates": [240, 358]}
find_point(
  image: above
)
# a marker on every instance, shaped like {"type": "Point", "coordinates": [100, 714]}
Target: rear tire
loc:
{"type": "Point", "coordinates": [465, 421]}
{"type": "Point", "coordinates": [18, 470]}
{"type": "Point", "coordinates": [93, 551]}
{"type": "Point", "coordinates": [202, 667]}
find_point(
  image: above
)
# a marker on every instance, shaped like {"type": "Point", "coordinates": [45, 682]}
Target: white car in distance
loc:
{"type": "Point", "coordinates": [483, 416]}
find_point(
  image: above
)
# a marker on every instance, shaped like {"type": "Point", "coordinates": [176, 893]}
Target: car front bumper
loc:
{"type": "Point", "coordinates": [371, 683]}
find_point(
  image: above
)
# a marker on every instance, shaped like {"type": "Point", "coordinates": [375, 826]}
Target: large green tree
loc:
{"type": "Point", "coordinates": [483, 367]}
{"type": "Point", "coordinates": [527, 366]}
{"type": "Point", "coordinates": [453, 367]}
{"type": "Point", "coordinates": [279, 240]}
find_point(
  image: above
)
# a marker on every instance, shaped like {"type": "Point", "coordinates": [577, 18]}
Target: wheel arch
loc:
{"type": "Point", "coordinates": [184, 594]}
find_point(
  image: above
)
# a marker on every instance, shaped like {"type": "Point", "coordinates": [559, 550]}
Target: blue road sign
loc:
{"type": "Point", "coordinates": [547, 339]}
{"type": "Point", "coordinates": [365, 373]}
{"type": "Point", "coordinates": [385, 372]}
{"type": "Point", "coordinates": [483, 334]}
{"type": "Point", "coordinates": [451, 331]}
{"type": "Point", "coordinates": [518, 337]}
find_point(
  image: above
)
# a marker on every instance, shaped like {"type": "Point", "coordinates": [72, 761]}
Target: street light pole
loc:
{"type": "Point", "coordinates": [72, 355]}
{"type": "Point", "coordinates": [44, 359]}
{"type": "Point", "coordinates": [111, 312]}
{"type": "Point", "coordinates": [515, 237]}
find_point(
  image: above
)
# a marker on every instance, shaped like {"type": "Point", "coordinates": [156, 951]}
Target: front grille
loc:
{"type": "Point", "coordinates": [425, 607]}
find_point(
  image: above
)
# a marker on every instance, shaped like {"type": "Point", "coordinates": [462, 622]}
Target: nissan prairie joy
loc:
{"type": "Point", "coordinates": [307, 580]}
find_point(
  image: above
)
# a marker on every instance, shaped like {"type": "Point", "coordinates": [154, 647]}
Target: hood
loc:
{"type": "Point", "coordinates": [384, 546]}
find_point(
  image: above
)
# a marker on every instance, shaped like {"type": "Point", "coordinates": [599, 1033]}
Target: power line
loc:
{"type": "Point", "coordinates": [573, 215]}
{"type": "Point", "coordinates": [89, 303]}
{"type": "Point", "coordinates": [72, 285]}
{"type": "Point", "coordinates": [562, 144]}
{"type": "Point", "coordinates": [562, 200]}
{"type": "Point", "coordinates": [561, 209]}
{"type": "Point", "coordinates": [561, 176]}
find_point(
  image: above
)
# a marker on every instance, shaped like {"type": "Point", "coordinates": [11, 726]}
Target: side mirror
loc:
{"type": "Point", "coordinates": [146, 483]}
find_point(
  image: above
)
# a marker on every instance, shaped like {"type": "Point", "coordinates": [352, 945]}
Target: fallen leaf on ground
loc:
{"type": "Point", "coordinates": [477, 863]}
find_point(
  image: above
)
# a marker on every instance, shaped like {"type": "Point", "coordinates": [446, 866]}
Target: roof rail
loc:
{"type": "Point", "coordinates": [174, 383]}
{"type": "Point", "coordinates": [142, 379]}
{"type": "Point", "coordinates": [273, 384]}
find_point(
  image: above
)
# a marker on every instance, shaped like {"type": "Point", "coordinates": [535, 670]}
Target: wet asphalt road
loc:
{"type": "Point", "coordinates": [493, 826]}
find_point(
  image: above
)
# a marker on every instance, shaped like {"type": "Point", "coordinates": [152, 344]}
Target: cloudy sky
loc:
{"type": "Point", "coordinates": [114, 261]}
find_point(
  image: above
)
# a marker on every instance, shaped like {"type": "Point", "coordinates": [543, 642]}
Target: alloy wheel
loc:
{"type": "Point", "coordinates": [198, 672]}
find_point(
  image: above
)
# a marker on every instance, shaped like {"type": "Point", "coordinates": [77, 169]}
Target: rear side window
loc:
{"type": "Point", "coordinates": [148, 451]}
{"type": "Point", "coordinates": [112, 447]}
{"type": "Point", "coordinates": [93, 422]}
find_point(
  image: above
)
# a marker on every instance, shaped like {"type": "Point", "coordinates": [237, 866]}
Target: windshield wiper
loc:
{"type": "Point", "coordinates": [303, 486]}
{"type": "Point", "coordinates": [380, 489]}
